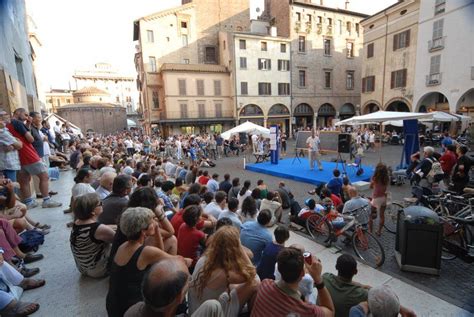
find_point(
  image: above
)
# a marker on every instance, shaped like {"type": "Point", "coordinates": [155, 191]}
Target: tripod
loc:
{"type": "Point", "coordinates": [343, 163]}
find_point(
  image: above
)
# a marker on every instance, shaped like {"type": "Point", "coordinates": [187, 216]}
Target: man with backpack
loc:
{"type": "Point", "coordinates": [429, 170]}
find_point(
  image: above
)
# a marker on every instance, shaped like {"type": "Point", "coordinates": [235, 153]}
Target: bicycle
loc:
{"type": "Point", "coordinates": [366, 246]}
{"type": "Point", "coordinates": [458, 236]}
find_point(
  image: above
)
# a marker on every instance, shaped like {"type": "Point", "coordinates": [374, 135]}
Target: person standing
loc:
{"type": "Point", "coordinates": [313, 144]}
{"type": "Point", "coordinates": [379, 184]}
{"type": "Point", "coordinates": [461, 170]}
{"type": "Point", "coordinates": [9, 146]}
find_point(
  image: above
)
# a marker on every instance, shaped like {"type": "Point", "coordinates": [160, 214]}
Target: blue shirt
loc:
{"type": "Point", "coordinates": [335, 186]}
{"type": "Point", "coordinates": [212, 185]}
{"type": "Point", "coordinates": [166, 200]}
{"type": "Point", "coordinates": [266, 268]}
{"type": "Point", "coordinates": [232, 216]}
{"type": "Point", "coordinates": [255, 237]}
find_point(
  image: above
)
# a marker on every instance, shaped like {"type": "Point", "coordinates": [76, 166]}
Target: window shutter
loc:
{"type": "Point", "coordinates": [269, 64]}
{"type": "Point", "coordinates": [364, 82]}
{"type": "Point", "coordinates": [404, 81]}
{"type": "Point", "coordinates": [395, 42]}
{"type": "Point", "coordinates": [392, 80]}
{"type": "Point", "coordinates": [408, 38]}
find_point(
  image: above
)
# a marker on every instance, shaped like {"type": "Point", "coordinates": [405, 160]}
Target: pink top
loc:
{"type": "Point", "coordinates": [379, 189]}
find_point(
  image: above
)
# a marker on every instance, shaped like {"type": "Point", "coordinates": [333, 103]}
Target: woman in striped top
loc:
{"type": "Point", "coordinates": [90, 240]}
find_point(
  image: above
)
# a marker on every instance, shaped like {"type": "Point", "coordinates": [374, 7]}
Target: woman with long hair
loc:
{"type": "Point", "coordinates": [244, 192]}
{"type": "Point", "coordinates": [379, 184]}
{"type": "Point", "coordinates": [249, 209]}
{"type": "Point", "coordinates": [223, 264]}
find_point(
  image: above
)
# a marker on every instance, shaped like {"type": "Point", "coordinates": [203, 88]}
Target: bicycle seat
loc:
{"type": "Point", "coordinates": [464, 221]}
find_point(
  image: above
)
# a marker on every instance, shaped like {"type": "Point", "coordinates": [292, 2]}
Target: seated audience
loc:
{"type": "Point", "coordinates": [255, 236]}
{"type": "Point", "coordinates": [190, 239]}
{"type": "Point", "coordinates": [114, 204]}
{"type": "Point", "coordinates": [216, 207]}
{"type": "Point", "coordinates": [266, 267]}
{"type": "Point", "coordinates": [231, 213]}
{"type": "Point", "coordinates": [273, 203]}
{"type": "Point", "coordinates": [105, 184]}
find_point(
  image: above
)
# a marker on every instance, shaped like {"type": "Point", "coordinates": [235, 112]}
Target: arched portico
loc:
{"type": "Point", "coordinates": [433, 101]}
{"type": "Point", "coordinates": [371, 106]}
{"type": "Point", "coordinates": [303, 115]}
{"type": "Point", "coordinates": [279, 114]}
{"type": "Point", "coordinates": [398, 104]}
{"type": "Point", "coordinates": [347, 111]}
{"type": "Point", "coordinates": [326, 113]}
{"type": "Point", "coordinates": [252, 113]}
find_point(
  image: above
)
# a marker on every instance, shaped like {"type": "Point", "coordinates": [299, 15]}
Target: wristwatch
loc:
{"type": "Point", "coordinates": [320, 285]}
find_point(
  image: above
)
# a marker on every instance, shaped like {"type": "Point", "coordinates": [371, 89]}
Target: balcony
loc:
{"type": "Point", "coordinates": [196, 116]}
{"type": "Point", "coordinates": [433, 79]}
{"type": "Point", "coordinates": [436, 44]}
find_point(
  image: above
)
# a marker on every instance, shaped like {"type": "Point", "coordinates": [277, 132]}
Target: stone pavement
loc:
{"type": "Point", "coordinates": [66, 293]}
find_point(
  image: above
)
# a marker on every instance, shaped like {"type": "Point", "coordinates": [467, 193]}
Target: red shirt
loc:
{"type": "Point", "coordinates": [27, 153]}
{"type": "Point", "coordinates": [448, 160]}
{"type": "Point", "coordinates": [188, 242]}
{"type": "Point", "coordinates": [272, 301]}
{"type": "Point", "coordinates": [336, 200]}
{"type": "Point", "coordinates": [203, 180]}
{"type": "Point", "coordinates": [177, 221]}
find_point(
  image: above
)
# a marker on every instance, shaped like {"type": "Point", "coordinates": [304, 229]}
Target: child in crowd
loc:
{"type": "Point", "coordinates": [190, 239]}
{"type": "Point", "coordinates": [266, 267]}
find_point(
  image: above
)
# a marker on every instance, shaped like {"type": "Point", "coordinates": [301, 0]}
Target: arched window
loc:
{"type": "Point", "coordinates": [303, 109]}
{"type": "Point", "coordinates": [347, 109]}
{"type": "Point", "coordinates": [278, 110]}
{"type": "Point", "coordinates": [251, 110]}
{"type": "Point", "coordinates": [326, 110]}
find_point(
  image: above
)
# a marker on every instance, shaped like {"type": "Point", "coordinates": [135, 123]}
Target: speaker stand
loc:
{"type": "Point", "coordinates": [343, 163]}
{"type": "Point", "coordinates": [297, 157]}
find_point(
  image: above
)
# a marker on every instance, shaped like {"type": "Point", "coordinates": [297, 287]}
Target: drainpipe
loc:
{"type": "Point", "coordinates": [290, 134]}
{"type": "Point", "coordinates": [234, 75]}
{"type": "Point", "coordinates": [384, 60]}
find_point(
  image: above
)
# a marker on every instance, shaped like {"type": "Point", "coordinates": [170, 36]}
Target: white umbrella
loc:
{"type": "Point", "coordinates": [246, 127]}
{"type": "Point", "coordinates": [382, 116]}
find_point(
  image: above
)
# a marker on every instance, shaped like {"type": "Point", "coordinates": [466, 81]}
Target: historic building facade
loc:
{"type": "Point", "coordinates": [56, 98]}
{"type": "Point", "coordinates": [389, 58]}
{"type": "Point", "coordinates": [326, 46]}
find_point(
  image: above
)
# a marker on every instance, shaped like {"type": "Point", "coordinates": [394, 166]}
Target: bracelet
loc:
{"type": "Point", "coordinates": [320, 285]}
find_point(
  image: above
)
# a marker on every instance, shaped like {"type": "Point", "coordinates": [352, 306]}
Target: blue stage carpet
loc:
{"type": "Point", "coordinates": [300, 171]}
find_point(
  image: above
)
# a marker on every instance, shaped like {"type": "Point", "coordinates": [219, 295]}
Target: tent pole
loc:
{"type": "Point", "coordinates": [381, 141]}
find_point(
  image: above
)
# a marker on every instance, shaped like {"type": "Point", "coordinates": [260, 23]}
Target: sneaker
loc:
{"type": "Point", "coordinates": [51, 204]}
{"type": "Point", "coordinates": [32, 205]}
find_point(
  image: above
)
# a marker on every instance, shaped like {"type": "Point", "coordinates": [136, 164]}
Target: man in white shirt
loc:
{"type": "Point", "coordinates": [254, 142]}
{"type": "Point", "coordinates": [129, 146]}
{"type": "Point", "coordinates": [216, 207]}
{"type": "Point", "coordinates": [179, 149]}
{"type": "Point", "coordinates": [313, 143]}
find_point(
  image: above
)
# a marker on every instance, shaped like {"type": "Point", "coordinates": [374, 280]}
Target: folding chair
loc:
{"type": "Point", "coordinates": [357, 165]}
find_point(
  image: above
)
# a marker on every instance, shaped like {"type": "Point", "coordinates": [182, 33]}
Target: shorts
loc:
{"type": "Point", "coordinates": [379, 202]}
{"type": "Point", "coordinates": [230, 305]}
{"type": "Point", "coordinates": [35, 168]}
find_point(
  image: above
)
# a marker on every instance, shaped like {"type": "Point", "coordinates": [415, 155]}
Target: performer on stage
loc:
{"type": "Point", "coordinates": [313, 143]}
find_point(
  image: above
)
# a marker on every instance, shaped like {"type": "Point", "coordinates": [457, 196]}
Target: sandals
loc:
{"type": "Point", "coordinates": [42, 226]}
{"type": "Point", "coordinates": [29, 283]}
{"type": "Point", "coordinates": [19, 309]}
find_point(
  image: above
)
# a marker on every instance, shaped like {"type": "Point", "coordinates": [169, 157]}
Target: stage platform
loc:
{"type": "Point", "coordinates": [287, 168]}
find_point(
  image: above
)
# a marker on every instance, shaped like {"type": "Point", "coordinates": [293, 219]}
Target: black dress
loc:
{"type": "Point", "coordinates": [125, 286]}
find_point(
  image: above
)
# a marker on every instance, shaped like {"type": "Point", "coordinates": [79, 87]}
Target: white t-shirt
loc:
{"type": "Point", "coordinates": [128, 144]}
{"type": "Point", "coordinates": [372, 138]}
{"type": "Point", "coordinates": [313, 143]}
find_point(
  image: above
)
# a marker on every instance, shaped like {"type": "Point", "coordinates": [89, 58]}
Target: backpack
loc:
{"type": "Point", "coordinates": [436, 173]}
{"type": "Point", "coordinates": [31, 240]}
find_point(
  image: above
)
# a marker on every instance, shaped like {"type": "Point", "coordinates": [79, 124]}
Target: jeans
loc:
{"type": "Point", "coordinates": [10, 174]}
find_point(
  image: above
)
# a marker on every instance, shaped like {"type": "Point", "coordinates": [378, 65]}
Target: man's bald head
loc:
{"type": "Point", "coordinates": [353, 192]}
{"type": "Point", "coordinates": [107, 180]}
{"type": "Point", "coordinates": [165, 284]}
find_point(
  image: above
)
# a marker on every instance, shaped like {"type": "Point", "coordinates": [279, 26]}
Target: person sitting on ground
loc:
{"type": "Point", "coordinates": [244, 192]}
{"type": "Point", "coordinates": [273, 203]}
{"type": "Point", "coordinates": [164, 194]}
{"type": "Point", "coordinates": [204, 178]}
{"type": "Point", "coordinates": [215, 208]}
{"type": "Point", "coordinates": [310, 208]}
{"type": "Point", "coordinates": [336, 200]}
{"type": "Point", "coordinates": [235, 189]}
{"type": "Point", "coordinates": [282, 298]}
{"type": "Point", "coordinates": [132, 259]}
{"type": "Point", "coordinates": [248, 210]}
{"type": "Point", "coordinates": [255, 236]}
{"type": "Point", "coordinates": [381, 302]}
{"type": "Point", "coordinates": [263, 188]}
{"type": "Point", "coordinates": [90, 240]}
{"type": "Point", "coordinates": [114, 204]}
{"type": "Point", "coordinates": [231, 212]}
{"type": "Point", "coordinates": [224, 273]}
{"type": "Point", "coordinates": [144, 180]}
{"type": "Point", "coordinates": [191, 241]}
{"type": "Point", "coordinates": [106, 184]}
{"type": "Point", "coordinates": [206, 222]}
{"type": "Point", "coordinates": [179, 187]}
{"type": "Point", "coordinates": [335, 184]}
{"type": "Point", "coordinates": [12, 283]}
{"type": "Point", "coordinates": [266, 267]}
{"type": "Point", "coordinates": [212, 184]}
{"type": "Point", "coordinates": [225, 185]}
{"type": "Point", "coordinates": [164, 288]}
{"type": "Point", "coordinates": [345, 293]}
{"type": "Point", "coordinates": [256, 195]}
{"type": "Point", "coordinates": [82, 184]}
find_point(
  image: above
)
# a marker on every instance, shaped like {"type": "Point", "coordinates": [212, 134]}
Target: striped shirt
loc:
{"type": "Point", "coordinates": [272, 301]}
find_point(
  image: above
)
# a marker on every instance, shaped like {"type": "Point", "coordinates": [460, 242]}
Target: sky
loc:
{"type": "Point", "coordinates": [78, 34]}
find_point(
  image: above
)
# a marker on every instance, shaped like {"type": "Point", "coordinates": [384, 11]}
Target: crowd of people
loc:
{"type": "Point", "coordinates": [172, 236]}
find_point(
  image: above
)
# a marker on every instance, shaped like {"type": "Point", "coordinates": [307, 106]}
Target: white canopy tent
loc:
{"type": "Point", "coordinates": [246, 127]}
{"type": "Point", "coordinates": [52, 118]}
{"type": "Point", "coordinates": [438, 116]}
{"type": "Point", "coordinates": [383, 116]}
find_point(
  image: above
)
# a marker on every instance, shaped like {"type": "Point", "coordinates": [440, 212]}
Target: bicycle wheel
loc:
{"type": "Point", "coordinates": [391, 216]}
{"type": "Point", "coordinates": [368, 248]}
{"type": "Point", "coordinates": [319, 228]}
{"type": "Point", "coordinates": [446, 254]}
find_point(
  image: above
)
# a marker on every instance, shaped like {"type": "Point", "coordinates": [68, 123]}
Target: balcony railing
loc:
{"type": "Point", "coordinates": [436, 44]}
{"type": "Point", "coordinates": [195, 115]}
{"type": "Point", "coordinates": [433, 79]}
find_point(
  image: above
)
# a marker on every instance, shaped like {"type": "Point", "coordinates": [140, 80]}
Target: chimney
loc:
{"type": "Point", "coordinates": [346, 6]}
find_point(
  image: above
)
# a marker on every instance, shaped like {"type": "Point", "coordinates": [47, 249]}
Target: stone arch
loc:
{"type": "Point", "coordinates": [251, 110]}
{"type": "Point", "coordinates": [303, 109]}
{"type": "Point", "coordinates": [465, 103]}
{"type": "Point", "coordinates": [347, 111]}
{"type": "Point", "coordinates": [398, 104]}
{"type": "Point", "coordinates": [326, 113]}
{"type": "Point", "coordinates": [278, 109]}
{"type": "Point", "coordinates": [433, 101]}
{"type": "Point", "coordinates": [303, 116]}
{"type": "Point", "coordinates": [371, 106]}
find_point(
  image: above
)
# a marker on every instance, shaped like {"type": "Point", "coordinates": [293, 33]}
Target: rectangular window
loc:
{"type": "Point", "coordinates": [401, 40]}
{"type": "Point", "coordinates": [398, 79]}
{"type": "Point", "coordinates": [350, 50]}
{"type": "Point", "coordinates": [357, 29]}
{"type": "Point", "coordinates": [201, 110]}
{"type": "Point", "coordinates": [283, 89]}
{"type": "Point", "coordinates": [263, 46]}
{"type": "Point", "coordinates": [368, 84]}
{"type": "Point", "coordinates": [438, 29]}
{"type": "Point", "coordinates": [152, 61]}
{"type": "Point", "coordinates": [243, 62]}
{"type": "Point", "coordinates": [218, 107]}
{"type": "Point", "coordinates": [184, 39]}
{"type": "Point", "coordinates": [349, 27]}
{"type": "Point", "coordinates": [200, 87]}
{"type": "Point", "coordinates": [320, 19]}
{"type": "Point", "coordinates": [117, 99]}
{"type": "Point", "coordinates": [309, 17]}
{"type": "Point", "coordinates": [182, 87]}
{"type": "Point", "coordinates": [282, 48]}
{"type": "Point", "coordinates": [217, 88]}
{"type": "Point", "coordinates": [298, 16]}
{"type": "Point", "coordinates": [340, 27]}
{"type": "Point", "coordinates": [19, 70]}
{"type": "Point", "coordinates": [350, 80]}
{"type": "Point", "coordinates": [302, 78]}
{"type": "Point", "coordinates": [186, 61]}
{"type": "Point", "coordinates": [327, 79]}
{"type": "Point", "coordinates": [244, 88]}
{"type": "Point", "coordinates": [327, 47]}
{"type": "Point", "coordinates": [210, 56]}
{"type": "Point", "coordinates": [301, 44]}
{"type": "Point", "coordinates": [184, 24]}
{"type": "Point", "coordinates": [370, 50]}
{"type": "Point", "coordinates": [183, 107]}
{"type": "Point", "coordinates": [435, 64]}
{"type": "Point", "coordinates": [242, 44]}
{"type": "Point", "coordinates": [264, 64]}
{"type": "Point", "coordinates": [264, 89]}
{"type": "Point", "coordinates": [283, 65]}
{"type": "Point", "coordinates": [150, 36]}
{"type": "Point", "coordinates": [440, 6]}
{"type": "Point", "coordinates": [156, 102]}
{"type": "Point", "coordinates": [329, 21]}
